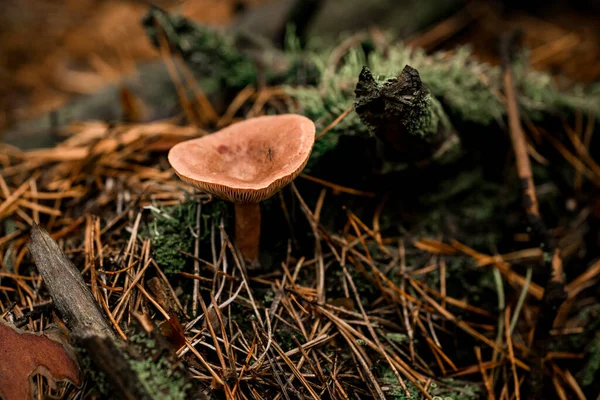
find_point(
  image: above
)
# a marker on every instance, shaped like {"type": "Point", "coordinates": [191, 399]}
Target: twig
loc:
{"type": "Point", "coordinates": [521, 301]}
{"type": "Point", "coordinates": [511, 354]}
{"type": "Point", "coordinates": [554, 293]}
{"type": "Point", "coordinates": [335, 122]}
{"type": "Point", "coordinates": [337, 188]}
{"type": "Point", "coordinates": [67, 288]}
{"type": "Point", "coordinates": [172, 68]}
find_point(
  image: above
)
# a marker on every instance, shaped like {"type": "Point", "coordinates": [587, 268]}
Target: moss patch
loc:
{"type": "Point", "coordinates": [172, 231]}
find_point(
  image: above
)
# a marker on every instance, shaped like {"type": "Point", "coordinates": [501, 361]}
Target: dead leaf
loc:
{"type": "Point", "coordinates": [173, 332]}
{"type": "Point", "coordinates": [24, 354]}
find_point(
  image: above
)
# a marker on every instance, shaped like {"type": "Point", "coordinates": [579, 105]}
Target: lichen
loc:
{"type": "Point", "coordinates": [93, 375]}
{"type": "Point", "coordinates": [395, 391]}
{"type": "Point", "coordinates": [446, 390]}
{"type": "Point", "coordinates": [155, 371]}
{"type": "Point", "coordinates": [451, 389]}
{"type": "Point", "coordinates": [399, 338]}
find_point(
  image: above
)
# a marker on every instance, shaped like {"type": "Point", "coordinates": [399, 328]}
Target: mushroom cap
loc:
{"type": "Point", "coordinates": [249, 161]}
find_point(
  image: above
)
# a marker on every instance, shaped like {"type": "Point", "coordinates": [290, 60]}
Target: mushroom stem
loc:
{"type": "Point", "coordinates": [247, 230]}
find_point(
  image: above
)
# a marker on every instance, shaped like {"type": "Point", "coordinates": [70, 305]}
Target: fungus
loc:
{"type": "Point", "coordinates": [246, 163]}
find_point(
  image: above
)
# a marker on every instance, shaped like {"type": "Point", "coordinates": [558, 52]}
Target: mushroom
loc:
{"type": "Point", "coordinates": [246, 163]}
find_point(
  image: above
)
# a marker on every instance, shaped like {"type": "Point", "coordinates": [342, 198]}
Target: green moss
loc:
{"type": "Point", "coordinates": [171, 231]}
{"type": "Point", "coordinates": [592, 366]}
{"type": "Point", "coordinates": [171, 234]}
{"type": "Point", "coordinates": [323, 105]}
{"type": "Point", "coordinates": [207, 49]}
{"type": "Point", "coordinates": [285, 338]}
{"type": "Point", "coordinates": [540, 93]}
{"type": "Point", "coordinates": [588, 317]}
{"type": "Point", "coordinates": [325, 102]}
{"type": "Point", "coordinates": [467, 281]}
{"type": "Point", "coordinates": [587, 341]}
{"type": "Point", "coordinates": [458, 81]}
{"type": "Point", "coordinates": [464, 182]}
{"type": "Point", "coordinates": [465, 88]}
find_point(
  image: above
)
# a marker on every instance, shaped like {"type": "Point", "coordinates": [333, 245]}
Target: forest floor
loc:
{"type": "Point", "coordinates": [341, 310]}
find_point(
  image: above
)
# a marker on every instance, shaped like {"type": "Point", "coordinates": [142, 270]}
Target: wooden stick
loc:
{"type": "Point", "coordinates": [67, 288]}
{"type": "Point", "coordinates": [89, 328]}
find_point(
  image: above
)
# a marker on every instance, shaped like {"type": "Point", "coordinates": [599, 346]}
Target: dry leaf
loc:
{"type": "Point", "coordinates": [23, 354]}
{"type": "Point", "coordinates": [173, 332]}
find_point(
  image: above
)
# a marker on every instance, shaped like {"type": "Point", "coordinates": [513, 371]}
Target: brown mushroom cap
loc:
{"type": "Point", "coordinates": [249, 161]}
